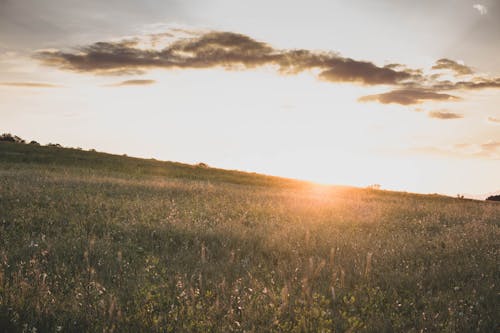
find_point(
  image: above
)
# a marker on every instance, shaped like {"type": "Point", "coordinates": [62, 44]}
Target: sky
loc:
{"type": "Point", "coordinates": [401, 93]}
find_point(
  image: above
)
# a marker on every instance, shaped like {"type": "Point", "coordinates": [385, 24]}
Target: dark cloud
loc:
{"type": "Point", "coordinates": [134, 83]}
{"type": "Point", "coordinates": [29, 85]}
{"type": "Point", "coordinates": [101, 58]}
{"type": "Point", "coordinates": [474, 83]}
{"type": "Point", "coordinates": [408, 97]}
{"type": "Point", "coordinates": [445, 115]}
{"type": "Point", "coordinates": [349, 70]}
{"type": "Point", "coordinates": [218, 49]}
{"type": "Point", "coordinates": [233, 51]}
{"type": "Point", "coordinates": [454, 66]}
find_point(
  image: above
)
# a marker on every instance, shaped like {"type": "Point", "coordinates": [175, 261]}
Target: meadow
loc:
{"type": "Point", "coordinates": [93, 242]}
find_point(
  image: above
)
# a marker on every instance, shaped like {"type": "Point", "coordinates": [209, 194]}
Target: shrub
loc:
{"type": "Point", "coordinates": [493, 198]}
{"type": "Point", "coordinates": [7, 137]}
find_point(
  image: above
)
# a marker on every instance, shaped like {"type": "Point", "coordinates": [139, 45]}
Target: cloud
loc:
{"type": "Point", "coordinates": [133, 83]}
{"type": "Point", "coordinates": [483, 10]}
{"type": "Point", "coordinates": [494, 120]}
{"type": "Point", "coordinates": [488, 150]}
{"type": "Point", "coordinates": [349, 70]}
{"type": "Point", "coordinates": [491, 146]}
{"type": "Point", "coordinates": [407, 97]}
{"type": "Point", "coordinates": [454, 66]}
{"type": "Point", "coordinates": [182, 49]}
{"type": "Point", "coordinates": [445, 115]}
{"type": "Point", "coordinates": [29, 85]}
{"type": "Point", "coordinates": [474, 83]}
{"type": "Point", "coordinates": [218, 49]}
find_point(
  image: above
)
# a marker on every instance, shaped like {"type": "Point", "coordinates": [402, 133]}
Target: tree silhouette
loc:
{"type": "Point", "coordinates": [493, 198]}
{"type": "Point", "coordinates": [7, 137]}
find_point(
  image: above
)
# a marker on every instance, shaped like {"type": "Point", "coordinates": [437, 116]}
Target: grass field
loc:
{"type": "Point", "coordinates": [92, 242]}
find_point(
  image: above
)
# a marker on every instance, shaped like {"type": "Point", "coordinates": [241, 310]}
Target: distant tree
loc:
{"type": "Point", "coordinates": [202, 165]}
{"type": "Point", "coordinates": [54, 145]}
{"type": "Point", "coordinates": [493, 198]}
{"type": "Point", "coordinates": [7, 137]}
{"type": "Point", "coordinates": [33, 142]}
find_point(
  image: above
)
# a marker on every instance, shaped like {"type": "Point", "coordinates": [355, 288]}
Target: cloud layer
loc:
{"type": "Point", "coordinates": [408, 97]}
{"type": "Point", "coordinates": [134, 83]}
{"type": "Point", "coordinates": [485, 150]}
{"type": "Point", "coordinates": [29, 85]}
{"type": "Point", "coordinates": [233, 51]}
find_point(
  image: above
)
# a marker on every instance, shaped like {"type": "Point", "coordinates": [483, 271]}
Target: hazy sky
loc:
{"type": "Point", "coordinates": [397, 92]}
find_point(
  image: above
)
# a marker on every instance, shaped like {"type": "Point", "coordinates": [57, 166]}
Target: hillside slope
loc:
{"type": "Point", "coordinates": [98, 242]}
{"type": "Point", "coordinates": [132, 167]}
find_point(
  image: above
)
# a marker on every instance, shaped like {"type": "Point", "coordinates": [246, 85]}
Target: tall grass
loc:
{"type": "Point", "coordinates": [99, 245]}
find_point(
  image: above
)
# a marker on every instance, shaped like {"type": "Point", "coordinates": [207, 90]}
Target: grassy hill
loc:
{"type": "Point", "coordinates": [99, 242]}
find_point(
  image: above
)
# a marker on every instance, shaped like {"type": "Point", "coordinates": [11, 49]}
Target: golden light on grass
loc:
{"type": "Point", "coordinates": [213, 248]}
{"type": "Point", "coordinates": [305, 147]}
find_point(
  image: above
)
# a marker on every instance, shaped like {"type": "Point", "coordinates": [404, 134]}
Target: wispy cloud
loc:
{"type": "Point", "coordinates": [445, 115]}
{"type": "Point", "coordinates": [457, 68]}
{"type": "Point", "coordinates": [474, 83]}
{"type": "Point", "coordinates": [133, 83]}
{"type": "Point", "coordinates": [407, 97]}
{"type": "Point", "coordinates": [492, 146]}
{"type": "Point", "coordinates": [29, 85]}
{"type": "Point", "coordinates": [482, 9]}
{"type": "Point", "coordinates": [494, 120]}
{"type": "Point", "coordinates": [486, 150]}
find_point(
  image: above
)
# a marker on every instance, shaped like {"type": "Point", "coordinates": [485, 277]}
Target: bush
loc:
{"type": "Point", "coordinates": [7, 137]}
{"type": "Point", "coordinates": [493, 198]}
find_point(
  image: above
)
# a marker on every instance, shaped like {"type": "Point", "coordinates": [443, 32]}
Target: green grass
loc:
{"type": "Point", "coordinates": [97, 242]}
